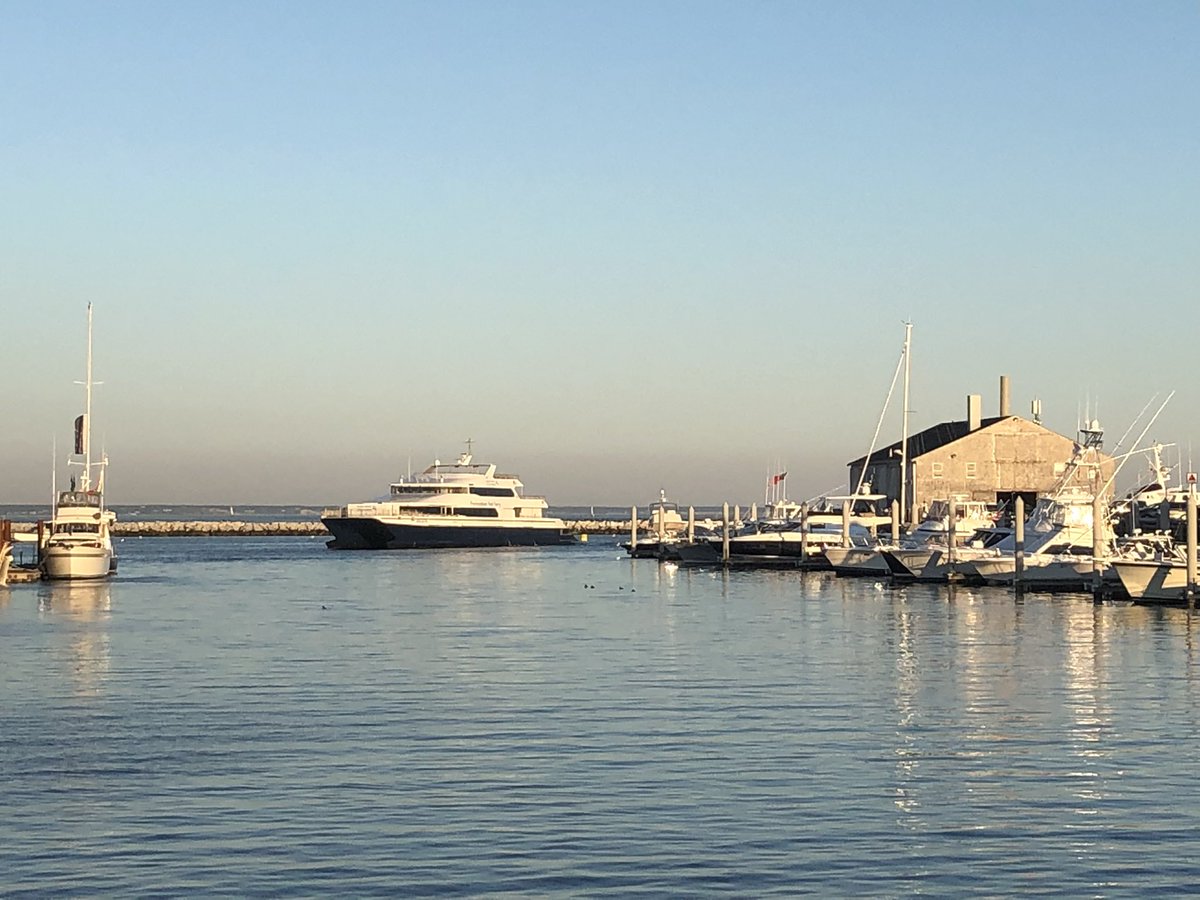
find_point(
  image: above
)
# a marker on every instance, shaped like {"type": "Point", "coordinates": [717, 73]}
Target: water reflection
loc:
{"type": "Point", "coordinates": [1084, 640]}
{"type": "Point", "coordinates": [907, 799]}
{"type": "Point", "coordinates": [86, 609]}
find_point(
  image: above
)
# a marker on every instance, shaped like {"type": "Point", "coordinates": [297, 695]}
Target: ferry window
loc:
{"type": "Point", "coordinates": [473, 511]}
{"type": "Point", "coordinates": [493, 492]}
{"type": "Point", "coordinates": [970, 470]}
{"type": "Point", "coordinates": [935, 470]}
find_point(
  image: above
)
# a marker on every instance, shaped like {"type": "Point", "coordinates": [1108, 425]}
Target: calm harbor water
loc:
{"type": "Point", "coordinates": [265, 717]}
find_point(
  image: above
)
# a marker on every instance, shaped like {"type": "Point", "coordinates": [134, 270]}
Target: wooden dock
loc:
{"type": "Point", "coordinates": [21, 575]}
{"type": "Point", "coordinates": [9, 572]}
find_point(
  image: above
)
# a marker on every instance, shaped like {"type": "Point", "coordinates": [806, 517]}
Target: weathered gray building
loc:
{"type": "Point", "coordinates": [994, 460]}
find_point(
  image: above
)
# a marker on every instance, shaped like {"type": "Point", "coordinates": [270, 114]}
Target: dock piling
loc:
{"type": "Point", "coordinates": [725, 534]}
{"type": "Point", "coordinates": [803, 533]}
{"type": "Point", "coordinates": [1019, 543]}
{"type": "Point", "coordinates": [952, 534]}
{"type": "Point", "coordinates": [1191, 549]}
{"type": "Point", "coordinates": [1099, 511]}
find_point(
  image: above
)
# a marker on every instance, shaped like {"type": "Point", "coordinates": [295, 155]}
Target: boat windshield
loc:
{"type": "Point", "coordinates": [79, 498]}
{"type": "Point", "coordinates": [76, 528]}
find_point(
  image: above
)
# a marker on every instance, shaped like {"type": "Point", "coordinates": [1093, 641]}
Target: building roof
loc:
{"type": "Point", "coordinates": [930, 439]}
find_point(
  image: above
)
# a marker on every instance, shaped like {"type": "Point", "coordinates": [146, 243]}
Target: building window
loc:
{"type": "Point", "coordinates": [935, 469]}
{"type": "Point", "coordinates": [970, 470]}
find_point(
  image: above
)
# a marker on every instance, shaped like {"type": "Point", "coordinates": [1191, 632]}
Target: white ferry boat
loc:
{"type": "Point", "coordinates": [460, 504]}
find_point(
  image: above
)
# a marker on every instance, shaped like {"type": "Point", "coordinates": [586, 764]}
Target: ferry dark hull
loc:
{"type": "Point", "coordinates": [372, 534]}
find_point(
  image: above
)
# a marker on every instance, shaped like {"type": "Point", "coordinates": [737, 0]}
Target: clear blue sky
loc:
{"type": "Point", "coordinates": [621, 245]}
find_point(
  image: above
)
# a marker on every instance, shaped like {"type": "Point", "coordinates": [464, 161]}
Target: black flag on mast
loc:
{"type": "Point", "coordinates": [80, 449]}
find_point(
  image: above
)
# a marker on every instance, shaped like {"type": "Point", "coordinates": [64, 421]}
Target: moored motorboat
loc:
{"type": "Point", "coordinates": [858, 561]}
{"type": "Point", "coordinates": [1059, 540]}
{"type": "Point", "coordinates": [1153, 580]}
{"type": "Point", "coordinates": [79, 545]}
{"type": "Point", "coordinates": [665, 528]}
{"type": "Point", "coordinates": [460, 504]}
{"type": "Point", "coordinates": [970, 518]}
{"type": "Point", "coordinates": [1060, 524]}
{"type": "Point", "coordinates": [1040, 572]}
{"type": "Point", "coordinates": [79, 541]}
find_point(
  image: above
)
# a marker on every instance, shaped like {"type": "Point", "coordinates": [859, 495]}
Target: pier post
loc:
{"type": "Point", "coordinates": [1099, 511]}
{"type": "Point", "coordinates": [1019, 543]}
{"type": "Point", "coordinates": [803, 533]}
{"type": "Point", "coordinates": [754, 512]}
{"type": "Point", "coordinates": [725, 534]}
{"type": "Point", "coordinates": [632, 528]}
{"type": "Point", "coordinates": [691, 532]}
{"type": "Point", "coordinates": [1191, 549]}
{"type": "Point", "coordinates": [846, 523]}
{"type": "Point", "coordinates": [662, 523]}
{"type": "Point", "coordinates": [952, 535]}
{"type": "Point", "coordinates": [737, 516]}
{"type": "Point", "coordinates": [895, 522]}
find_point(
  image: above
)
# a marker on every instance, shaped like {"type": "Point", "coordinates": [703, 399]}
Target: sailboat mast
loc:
{"type": "Point", "coordinates": [87, 411]}
{"type": "Point", "coordinates": [904, 517]}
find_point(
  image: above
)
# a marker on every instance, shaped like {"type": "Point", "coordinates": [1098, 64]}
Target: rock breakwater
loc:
{"type": "Point", "coordinates": [208, 529]}
{"type": "Point", "coordinates": [195, 528]}
{"type": "Point", "coordinates": [214, 529]}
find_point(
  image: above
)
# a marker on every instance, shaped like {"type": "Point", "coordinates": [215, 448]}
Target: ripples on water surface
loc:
{"type": "Point", "coordinates": [241, 717]}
